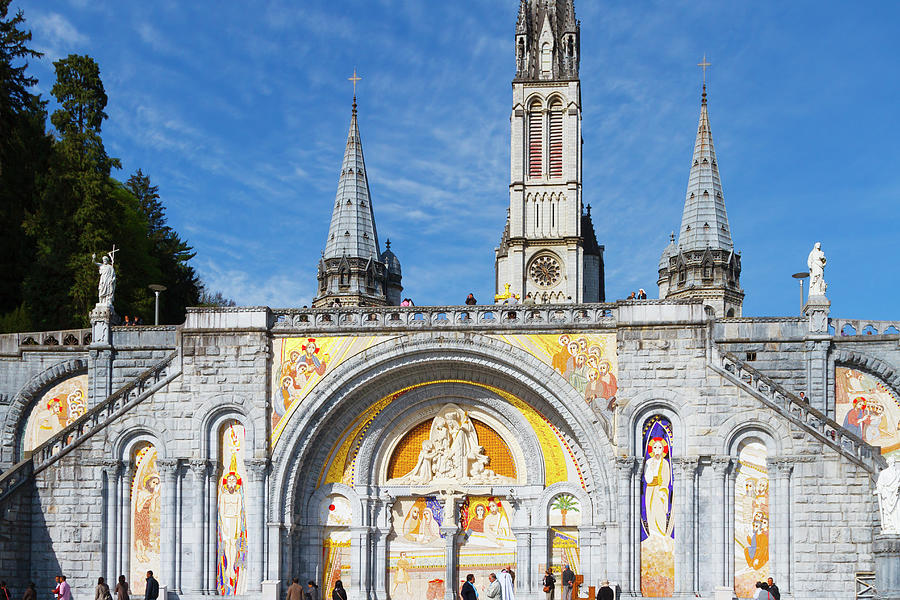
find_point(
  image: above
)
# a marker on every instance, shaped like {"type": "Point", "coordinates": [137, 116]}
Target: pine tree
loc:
{"type": "Point", "coordinates": [170, 251]}
{"type": "Point", "coordinates": [24, 149]}
{"type": "Point", "coordinates": [78, 211]}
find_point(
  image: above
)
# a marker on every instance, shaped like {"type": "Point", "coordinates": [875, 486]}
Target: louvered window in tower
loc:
{"type": "Point", "coordinates": [556, 140]}
{"type": "Point", "coordinates": [535, 141]}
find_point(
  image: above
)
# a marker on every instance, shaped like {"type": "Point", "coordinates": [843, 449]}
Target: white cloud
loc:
{"type": "Point", "coordinates": [55, 36]}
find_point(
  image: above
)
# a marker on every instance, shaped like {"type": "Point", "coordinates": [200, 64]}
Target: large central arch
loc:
{"type": "Point", "coordinates": [478, 371]}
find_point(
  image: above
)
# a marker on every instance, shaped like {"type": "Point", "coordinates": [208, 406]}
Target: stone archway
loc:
{"type": "Point", "coordinates": [496, 377]}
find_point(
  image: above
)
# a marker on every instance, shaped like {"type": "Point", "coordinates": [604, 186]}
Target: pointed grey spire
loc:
{"type": "Point", "coordinates": [352, 232]}
{"type": "Point", "coordinates": [704, 223]}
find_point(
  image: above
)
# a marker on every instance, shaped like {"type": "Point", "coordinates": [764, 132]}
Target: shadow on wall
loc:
{"type": "Point", "coordinates": [16, 520]}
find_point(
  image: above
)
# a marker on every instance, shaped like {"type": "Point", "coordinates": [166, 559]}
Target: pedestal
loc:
{"type": "Point", "coordinates": [270, 589]}
{"type": "Point", "coordinates": [724, 593]}
{"type": "Point", "coordinates": [817, 309]}
{"type": "Point", "coordinates": [101, 318]}
{"type": "Point", "coordinates": [887, 566]}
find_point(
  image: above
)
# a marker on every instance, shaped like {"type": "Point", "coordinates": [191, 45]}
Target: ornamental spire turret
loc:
{"type": "Point", "coordinates": [352, 270]}
{"type": "Point", "coordinates": [703, 265]}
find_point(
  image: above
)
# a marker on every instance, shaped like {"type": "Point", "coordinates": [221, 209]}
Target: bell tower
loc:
{"type": "Point", "coordinates": [548, 248]}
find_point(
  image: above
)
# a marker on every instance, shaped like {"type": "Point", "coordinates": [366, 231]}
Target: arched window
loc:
{"type": "Point", "coordinates": [751, 518]}
{"type": "Point", "coordinates": [345, 275]}
{"type": "Point", "coordinates": [556, 139]}
{"type": "Point", "coordinates": [546, 58]}
{"type": "Point", "coordinates": [535, 140]}
{"type": "Point", "coordinates": [657, 523]}
{"type": "Point", "coordinates": [231, 550]}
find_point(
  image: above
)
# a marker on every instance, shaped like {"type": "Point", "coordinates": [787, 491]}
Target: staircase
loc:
{"type": "Point", "coordinates": [98, 417]}
{"type": "Point", "coordinates": [799, 413]}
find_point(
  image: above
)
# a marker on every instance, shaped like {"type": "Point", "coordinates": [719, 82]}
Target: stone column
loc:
{"type": "Point", "coordinates": [524, 573]}
{"type": "Point", "coordinates": [720, 554]}
{"type": "Point", "coordinates": [256, 522]}
{"type": "Point", "coordinates": [780, 521]}
{"type": "Point", "coordinates": [168, 529]}
{"type": "Point", "coordinates": [359, 560]}
{"type": "Point", "coordinates": [685, 500]}
{"type": "Point", "coordinates": [449, 530]}
{"type": "Point", "coordinates": [100, 356]}
{"type": "Point", "coordinates": [212, 524]}
{"type": "Point", "coordinates": [199, 472]}
{"type": "Point", "coordinates": [272, 580]}
{"type": "Point", "coordinates": [128, 472]}
{"type": "Point", "coordinates": [384, 522]}
{"type": "Point", "coordinates": [111, 495]}
{"type": "Point", "coordinates": [625, 467]}
{"type": "Point", "coordinates": [729, 523]}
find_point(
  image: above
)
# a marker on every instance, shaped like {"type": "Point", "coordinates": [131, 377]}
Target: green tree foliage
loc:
{"type": "Point", "coordinates": [24, 150]}
{"type": "Point", "coordinates": [170, 251]}
{"type": "Point", "coordinates": [59, 204]}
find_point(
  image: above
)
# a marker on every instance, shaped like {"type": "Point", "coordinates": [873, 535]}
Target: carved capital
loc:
{"type": "Point", "coordinates": [167, 467]}
{"type": "Point", "coordinates": [720, 464]}
{"type": "Point", "coordinates": [111, 467]}
{"type": "Point", "coordinates": [200, 468]}
{"type": "Point", "coordinates": [626, 465]}
{"type": "Point", "coordinates": [687, 466]}
{"type": "Point", "coordinates": [783, 467]}
{"type": "Point", "coordinates": [257, 467]}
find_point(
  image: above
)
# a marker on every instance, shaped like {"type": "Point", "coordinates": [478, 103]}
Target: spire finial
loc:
{"type": "Point", "coordinates": [354, 79]}
{"type": "Point", "coordinates": [672, 237]}
{"type": "Point", "coordinates": [388, 244]}
{"type": "Point", "coordinates": [703, 64]}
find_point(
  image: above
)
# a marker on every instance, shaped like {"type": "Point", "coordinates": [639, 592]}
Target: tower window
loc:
{"type": "Point", "coordinates": [535, 141]}
{"type": "Point", "coordinates": [556, 139]}
{"type": "Point", "coordinates": [546, 58]}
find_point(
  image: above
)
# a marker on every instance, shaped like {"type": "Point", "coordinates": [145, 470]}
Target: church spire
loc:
{"type": "Point", "coordinates": [352, 231]}
{"type": "Point", "coordinates": [352, 270]}
{"type": "Point", "coordinates": [704, 223]}
{"type": "Point", "coordinates": [703, 265]}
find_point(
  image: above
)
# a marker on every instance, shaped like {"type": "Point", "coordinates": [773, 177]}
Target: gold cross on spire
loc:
{"type": "Point", "coordinates": [703, 64]}
{"type": "Point", "coordinates": [354, 79]}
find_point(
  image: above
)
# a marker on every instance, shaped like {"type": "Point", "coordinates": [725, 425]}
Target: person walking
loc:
{"type": "Point", "coordinates": [338, 593]}
{"type": "Point", "coordinates": [30, 592]}
{"type": "Point", "coordinates": [605, 592]}
{"type": "Point", "coordinates": [101, 592]}
{"type": "Point", "coordinates": [568, 582]}
{"type": "Point", "coordinates": [295, 592]}
{"type": "Point", "coordinates": [4, 591]}
{"type": "Point", "coordinates": [64, 591]}
{"type": "Point", "coordinates": [122, 589]}
{"type": "Point", "coordinates": [471, 301]}
{"type": "Point", "coordinates": [468, 591]}
{"type": "Point", "coordinates": [312, 590]}
{"type": "Point", "coordinates": [152, 592]}
{"type": "Point", "coordinates": [549, 585]}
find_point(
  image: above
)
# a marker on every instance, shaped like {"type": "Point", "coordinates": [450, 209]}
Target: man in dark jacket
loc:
{"type": "Point", "coordinates": [468, 589]}
{"type": "Point", "coordinates": [152, 592]}
{"type": "Point", "coordinates": [773, 589]}
{"type": "Point", "coordinates": [568, 582]}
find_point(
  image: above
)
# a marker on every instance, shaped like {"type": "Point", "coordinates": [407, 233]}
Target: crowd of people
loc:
{"type": "Point", "coordinates": [499, 588]}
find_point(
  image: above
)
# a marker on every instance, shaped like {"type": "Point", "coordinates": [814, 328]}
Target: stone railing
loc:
{"type": "Point", "coordinates": [65, 339]}
{"type": "Point", "coordinates": [845, 327]}
{"type": "Point", "coordinates": [412, 318]}
{"type": "Point", "coordinates": [801, 413]}
{"type": "Point", "coordinates": [98, 417]}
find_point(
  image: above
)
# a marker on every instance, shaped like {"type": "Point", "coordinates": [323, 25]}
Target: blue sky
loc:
{"type": "Point", "coordinates": [240, 113]}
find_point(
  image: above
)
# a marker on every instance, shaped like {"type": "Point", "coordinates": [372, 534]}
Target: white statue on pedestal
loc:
{"type": "Point", "coordinates": [107, 287]}
{"type": "Point", "coordinates": [887, 488]}
{"type": "Point", "coordinates": [816, 263]}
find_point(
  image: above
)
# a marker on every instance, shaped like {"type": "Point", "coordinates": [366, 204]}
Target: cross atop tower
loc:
{"type": "Point", "coordinates": [703, 64]}
{"type": "Point", "coordinates": [354, 79]}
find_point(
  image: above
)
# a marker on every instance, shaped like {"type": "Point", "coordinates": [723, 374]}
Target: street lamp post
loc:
{"type": "Point", "coordinates": [800, 277]}
{"type": "Point", "coordinates": [157, 288]}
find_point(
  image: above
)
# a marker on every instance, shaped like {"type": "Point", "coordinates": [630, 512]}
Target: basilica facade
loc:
{"type": "Point", "coordinates": [670, 446]}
